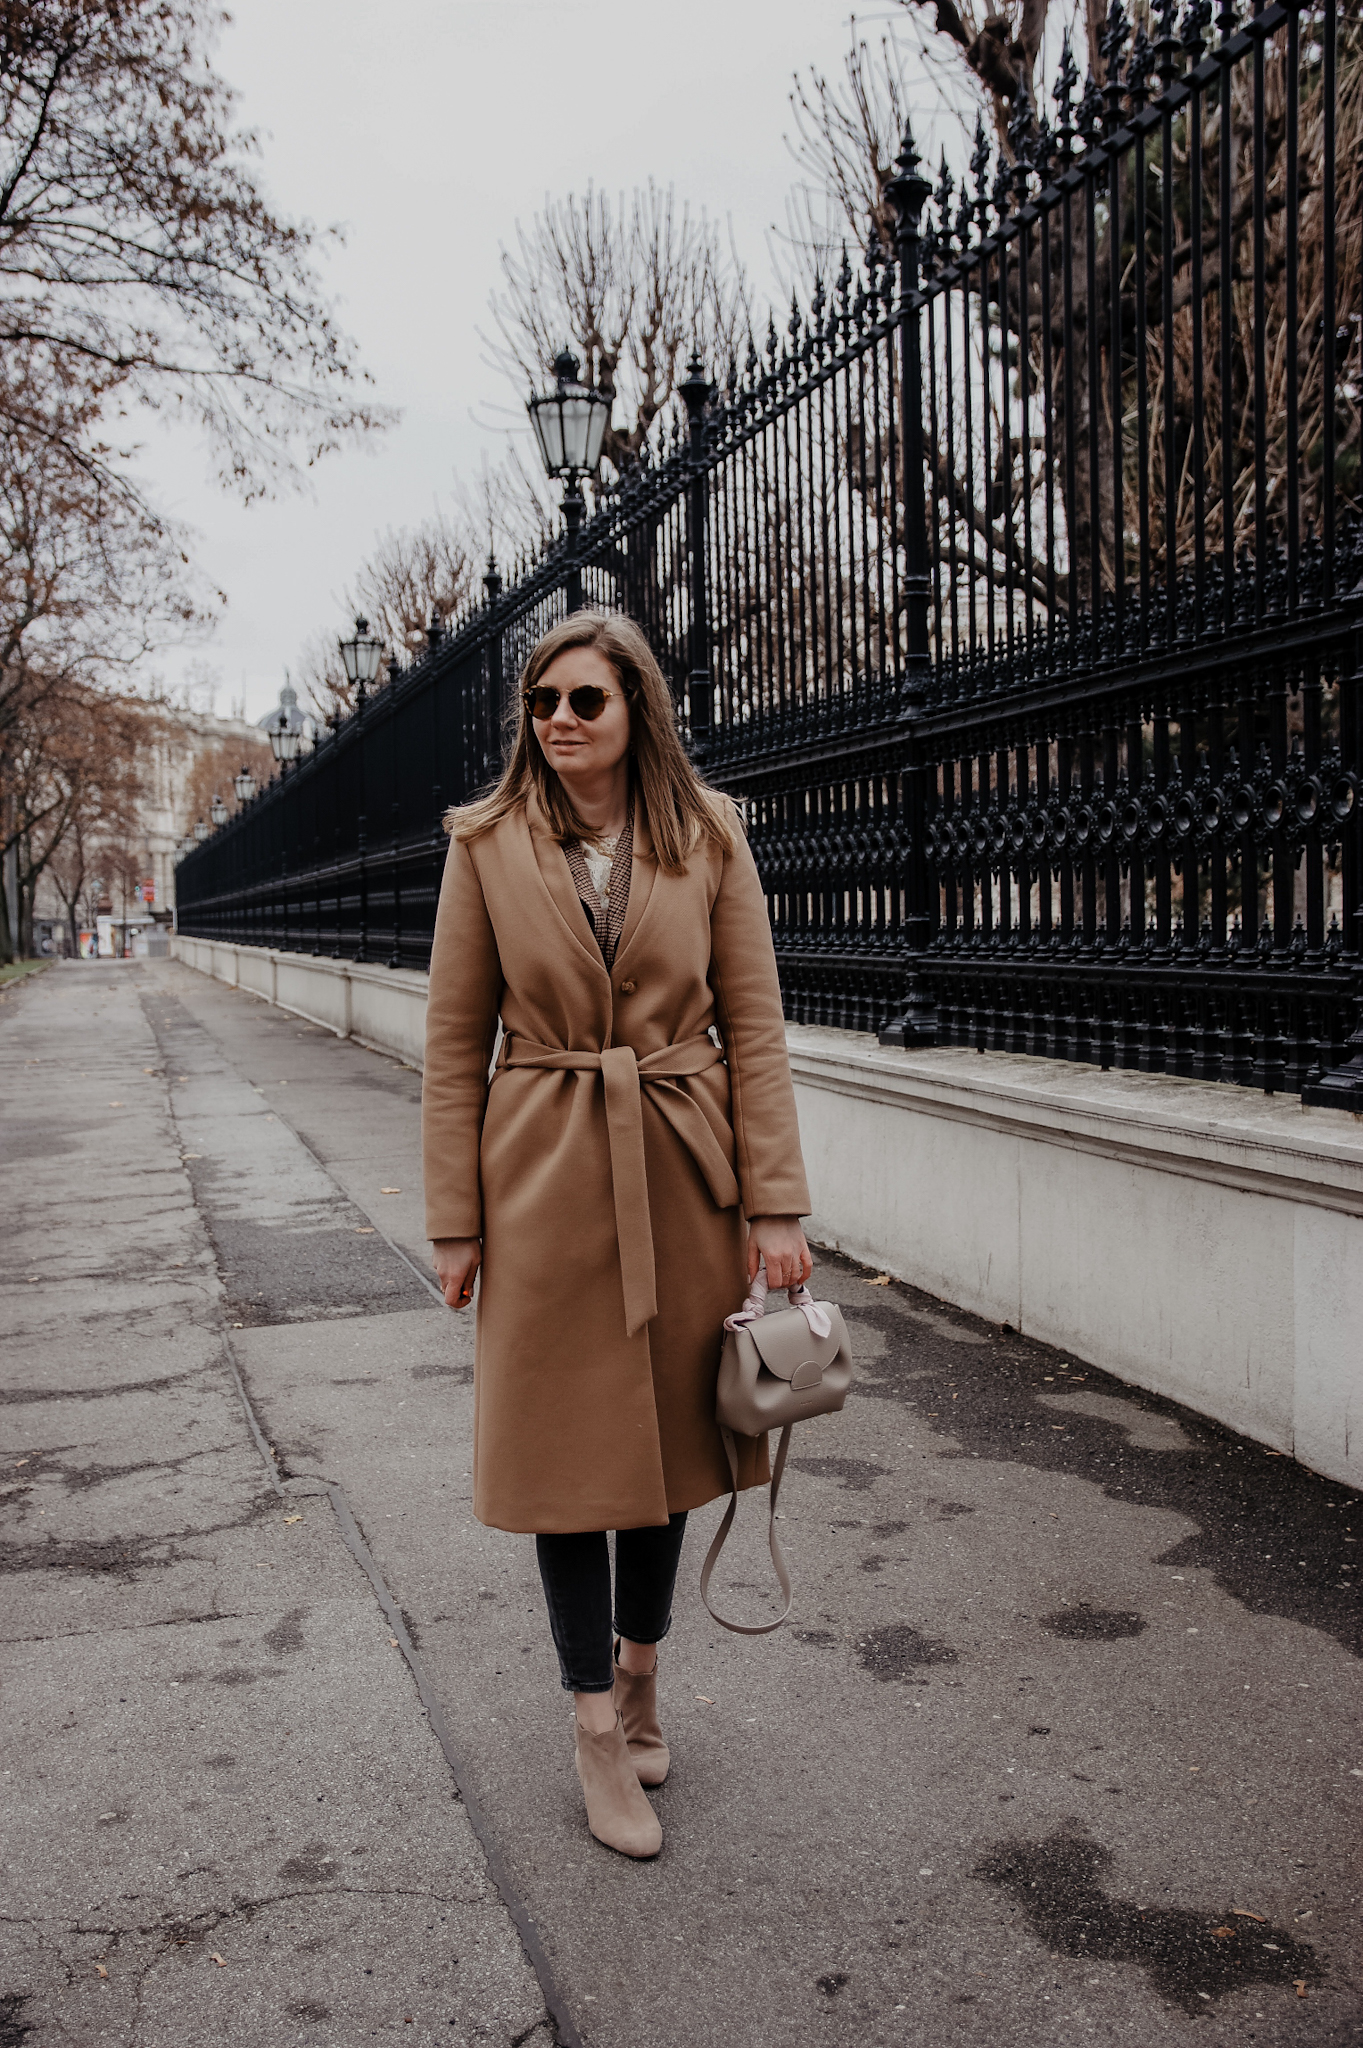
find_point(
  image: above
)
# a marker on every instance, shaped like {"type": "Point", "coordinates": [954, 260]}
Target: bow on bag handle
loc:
{"type": "Point", "coordinates": [752, 1311]}
{"type": "Point", "coordinates": [755, 1306]}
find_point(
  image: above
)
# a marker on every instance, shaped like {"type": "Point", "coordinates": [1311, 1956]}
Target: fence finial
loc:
{"type": "Point", "coordinates": [1066, 79]}
{"type": "Point", "coordinates": [1166, 45]}
{"type": "Point", "coordinates": [1196, 16]}
{"type": "Point", "coordinates": [1111, 44]}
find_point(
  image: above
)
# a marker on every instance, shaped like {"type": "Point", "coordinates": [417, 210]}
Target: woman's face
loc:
{"type": "Point", "coordinates": [582, 749]}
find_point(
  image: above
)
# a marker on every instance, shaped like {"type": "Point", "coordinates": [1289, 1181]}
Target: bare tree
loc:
{"type": "Point", "coordinates": [213, 771]}
{"type": "Point", "coordinates": [89, 579]}
{"type": "Point", "coordinates": [138, 251]}
{"type": "Point", "coordinates": [847, 136]}
{"type": "Point", "coordinates": [77, 761]}
{"type": "Point", "coordinates": [633, 287]}
{"type": "Point", "coordinates": [415, 581]}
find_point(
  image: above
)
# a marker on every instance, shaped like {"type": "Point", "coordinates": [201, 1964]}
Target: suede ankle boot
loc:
{"type": "Point", "coordinates": [617, 1812]}
{"type": "Point", "coordinates": [636, 1697]}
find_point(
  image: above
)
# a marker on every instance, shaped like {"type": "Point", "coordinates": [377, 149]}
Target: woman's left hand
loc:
{"type": "Point", "coordinates": [780, 1241]}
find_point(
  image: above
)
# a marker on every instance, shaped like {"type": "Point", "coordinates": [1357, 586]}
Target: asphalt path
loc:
{"type": "Point", "coordinates": [1063, 1740]}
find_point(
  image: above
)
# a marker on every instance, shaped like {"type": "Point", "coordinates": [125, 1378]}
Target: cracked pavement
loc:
{"type": "Point", "coordinates": [1062, 1743]}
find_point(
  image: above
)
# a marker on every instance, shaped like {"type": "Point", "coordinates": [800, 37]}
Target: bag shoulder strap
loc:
{"type": "Point", "coordinates": [749, 1628]}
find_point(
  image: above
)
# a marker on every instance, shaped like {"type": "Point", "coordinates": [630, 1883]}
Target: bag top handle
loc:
{"type": "Point", "coordinates": [755, 1306]}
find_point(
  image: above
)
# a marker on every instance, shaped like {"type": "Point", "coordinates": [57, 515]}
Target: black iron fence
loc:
{"type": "Point", "coordinates": [1016, 590]}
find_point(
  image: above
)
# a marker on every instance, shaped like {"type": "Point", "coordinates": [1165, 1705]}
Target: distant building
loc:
{"type": "Point", "coordinates": [191, 756]}
{"type": "Point", "coordinates": [171, 804]}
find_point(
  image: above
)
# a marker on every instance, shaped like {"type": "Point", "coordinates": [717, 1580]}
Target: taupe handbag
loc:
{"type": "Point", "coordinates": [776, 1370]}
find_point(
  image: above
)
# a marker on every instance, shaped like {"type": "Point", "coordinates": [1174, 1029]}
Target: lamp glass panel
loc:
{"type": "Point", "coordinates": [578, 410]}
{"type": "Point", "coordinates": [370, 654]}
{"type": "Point", "coordinates": [547, 415]}
{"type": "Point", "coordinates": [596, 432]}
{"type": "Point", "coordinates": [350, 655]}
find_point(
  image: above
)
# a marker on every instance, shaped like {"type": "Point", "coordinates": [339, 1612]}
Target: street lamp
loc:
{"type": "Point", "coordinates": [361, 654]}
{"type": "Point", "coordinates": [217, 810]}
{"type": "Point", "coordinates": [244, 785]}
{"type": "Point", "coordinates": [187, 844]}
{"type": "Point", "coordinates": [570, 425]}
{"type": "Point", "coordinates": [200, 829]}
{"type": "Point", "coordinates": [285, 739]}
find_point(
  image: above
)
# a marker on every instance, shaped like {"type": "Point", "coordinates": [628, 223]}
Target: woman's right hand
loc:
{"type": "Point", "coordinates": [456, 1260]}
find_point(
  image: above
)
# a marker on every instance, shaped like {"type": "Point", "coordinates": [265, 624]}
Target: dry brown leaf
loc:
{"type": "Point", "coordinates": [18, 1462]}
{"type": "Point", "coordinates": [216, 1958]}
{"type": "Point", "coordinates": [100, 1970]}
{"type": "Point", "coordinates": [393, 1643]}
{"type": "Point", "coordinates": [289, 1520]}
{"type": "Point", "coordinates": [1243, 1913]}
{"type": "Point", "coordinates": [364, 1230]}
{"type": "Point", "coordinates": [881, 1280]}
{"type": "Point", "coordinates": [1222, 1932]}
{"type": "Point", "coordinates": [704, 1699]}
{"type": "Point", "coordinates": [390, 1191]}
{"type": "Point", "coordinates": [1299, 1986]}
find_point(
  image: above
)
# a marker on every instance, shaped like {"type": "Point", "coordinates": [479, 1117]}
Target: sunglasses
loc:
{"type": "Point", "coordinates": [587, 701]}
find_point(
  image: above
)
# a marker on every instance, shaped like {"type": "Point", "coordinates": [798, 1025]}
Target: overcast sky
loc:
{"type": "Point", "coordinates": [428, 128]}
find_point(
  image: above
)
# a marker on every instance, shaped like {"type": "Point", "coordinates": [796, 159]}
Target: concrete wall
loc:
{"type": "Point", "coordinates": [1204, 1242]}
{"type": "Point", "coordinates": [381, 1007]}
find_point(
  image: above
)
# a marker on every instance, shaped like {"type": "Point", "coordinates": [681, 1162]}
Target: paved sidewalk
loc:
{"type": "Point", "coordinates": [1063, 1742]}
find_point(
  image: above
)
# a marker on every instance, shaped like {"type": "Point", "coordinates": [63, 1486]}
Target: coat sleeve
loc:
{"type": "Point", "coordinates": [747, 994]}
{"type": "Point", "coordinates": [461, 1025]}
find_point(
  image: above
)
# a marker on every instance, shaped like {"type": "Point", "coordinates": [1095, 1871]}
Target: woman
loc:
{"type": "Point", "coordinates": [603, 904]}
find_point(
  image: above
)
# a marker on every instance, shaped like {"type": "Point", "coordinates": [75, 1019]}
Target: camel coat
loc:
{"type": "Point", "coordinates": [608, 1167]}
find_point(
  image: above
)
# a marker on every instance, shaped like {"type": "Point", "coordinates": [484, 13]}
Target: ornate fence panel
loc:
{"type": "Point", "coordinates": [1016, 591]}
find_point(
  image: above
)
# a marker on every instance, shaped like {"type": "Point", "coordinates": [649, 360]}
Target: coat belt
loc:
{"type": "Point", "coordinates": [623, 1076]}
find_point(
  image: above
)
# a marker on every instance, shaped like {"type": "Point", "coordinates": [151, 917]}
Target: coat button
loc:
{"type": "Point", "coordinates": [627, 988]}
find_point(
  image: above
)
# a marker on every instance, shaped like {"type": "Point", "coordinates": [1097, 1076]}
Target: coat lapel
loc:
{"type": "Point", "coordinates": [643, 878]}
{"type": "Point", "coordinates": [554, 875]}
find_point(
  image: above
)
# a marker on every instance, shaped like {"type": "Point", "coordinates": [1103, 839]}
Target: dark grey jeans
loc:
{"type": "Point", "coordinates": [576, 1572]}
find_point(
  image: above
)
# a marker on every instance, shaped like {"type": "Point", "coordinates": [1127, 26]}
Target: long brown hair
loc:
{"type": "Point", "coordinates": [681, 811]}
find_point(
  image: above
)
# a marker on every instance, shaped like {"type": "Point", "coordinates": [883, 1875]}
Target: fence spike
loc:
{"type": "Point", "coordinates": [979, 170]}
{"type": "Point", "coordinates": [1193, 32]}
{"type": "Point", "coordinates": [1066, 79]}
{"type": "Point", "coordinates": [1140, 69]}
{"type": "Point", "coordinates": [1111, 44]}
{"type": "Point", "coordinates": [945, 187]}
{"type": "Point", "coordinates": [1166, 44]}
{"type": "Point", "coordinates": [1091, 113]}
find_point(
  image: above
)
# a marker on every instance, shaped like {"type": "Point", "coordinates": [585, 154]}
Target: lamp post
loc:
{"type": "Point", "coordinates": [217, 810]}
{"type": "Point", "coordinates": [200, 830]}
{"type": "Point", "coordinates": [361, 654]}
{"type": "Point", "coordinates": [570, 425]}
{"type": "Point", "coordinates": [285, 739]}
{"type": "Point", "coordinates": [244, 785]}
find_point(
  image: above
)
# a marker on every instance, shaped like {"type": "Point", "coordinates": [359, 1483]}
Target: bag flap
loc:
{"type": "Point", "coordinates": [785, 1342]}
